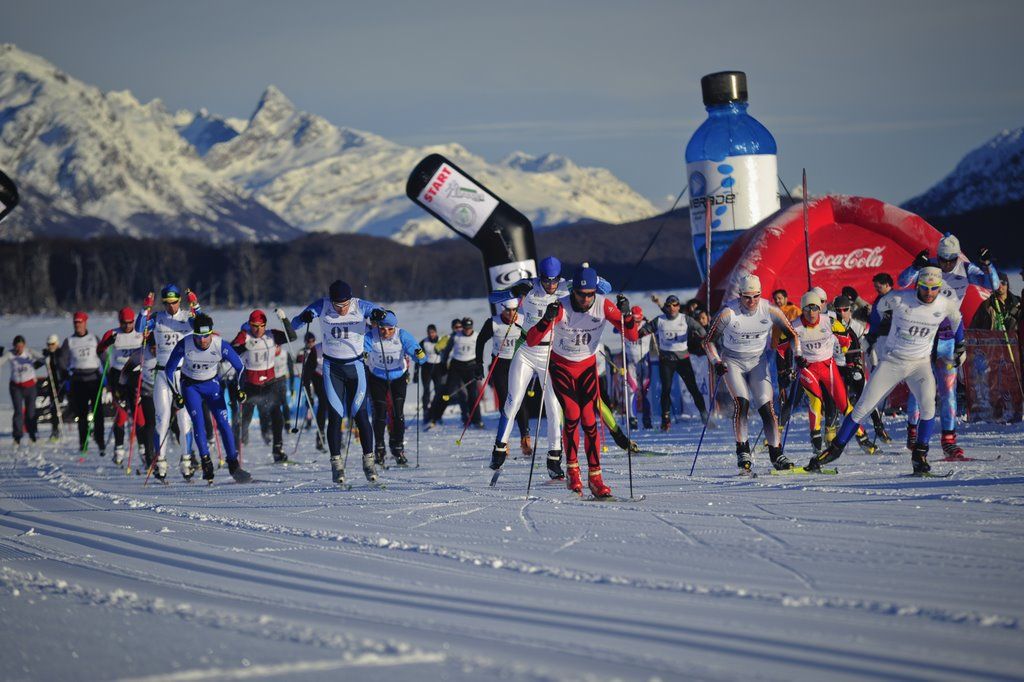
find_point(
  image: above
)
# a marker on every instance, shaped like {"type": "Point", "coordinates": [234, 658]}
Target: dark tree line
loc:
{"type": "Point", "coordinates": [109, 272]}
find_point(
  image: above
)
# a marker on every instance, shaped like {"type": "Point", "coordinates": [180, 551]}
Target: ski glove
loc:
{"type": "Point", "coordinates": [149, 300]}
{"type": "Point", "coordinates": [984, 257]}
{"type": "Point", "coordinates": [520, 289]}
{"type": "Point", "coordinates": [478, 371]}
{"type": "Point", "coordinates": [242, 396]}
{"type": "Point", "coordinates": [785, 378]}
{"type": "Point", "coordinates": [622, 303]}
{"type": "Point", "coordinates": [720, 369]}
{"type": "Point", "coordinates": [377, 314]}
{"type": "Point", "coordinates": [193, 300]}
{"type": "Point", "coordinates": [921, 261]}
{"type": "Point", "coordinates": [306, 317]}
{"type": "Point", "coordinates": [801, 362]}
{"type": "Point", "coordinates": [179, 401]}
{"type": "Point", "coordinates": [552, 311]}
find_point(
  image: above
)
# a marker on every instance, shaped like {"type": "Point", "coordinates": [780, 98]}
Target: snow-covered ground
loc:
{"type": "Point", "coordinates": [867, 574]}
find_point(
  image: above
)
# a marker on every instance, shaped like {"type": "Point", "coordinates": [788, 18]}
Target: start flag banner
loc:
{"type": "Point", "coordinates": [992, 374]}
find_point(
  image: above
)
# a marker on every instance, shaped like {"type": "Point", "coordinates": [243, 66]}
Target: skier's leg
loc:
{"type": "Point", "coordinates": [193, 396]}
{"type": "Point", "coordinates": [520, 372]}
{"type": "Point", "coordinates": [378, 401]}
{"type": "Point", "coordinates": [17, 419]}
{"type": "Point", "coordinates": [334, 388]}
{"type": "Point", "coordinates": [552, 411]}
{"type": "Point", "coordinates": [219, 412]}
{"type": "Point", "coordinates": [666, 372]}
{"type": "Point", "coordinates": [356, 381]}
{"type": "Point", "coordinates": [685, 370]}
{"type": "Point", "coordinates": [30, 410]}
{"type": "Point", "coordinates": [396, 440]}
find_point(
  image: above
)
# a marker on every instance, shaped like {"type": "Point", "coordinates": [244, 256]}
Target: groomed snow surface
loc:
{"type": "Point", "coordinates": [864, 574]}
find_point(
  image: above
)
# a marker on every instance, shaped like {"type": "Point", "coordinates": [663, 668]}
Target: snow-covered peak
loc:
{"type": "Point", "coordinates": [203, 130]}
{"type": "Point", "coordinates": [991, 175]}
{"type": "Point", "coordinates": [547, 163]}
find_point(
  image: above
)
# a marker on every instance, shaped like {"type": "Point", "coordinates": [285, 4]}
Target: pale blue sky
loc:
{"type": "Point", "coordinates": [873, 98]}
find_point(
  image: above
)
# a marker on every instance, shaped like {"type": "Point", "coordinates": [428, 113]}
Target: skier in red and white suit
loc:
{"type": "Point", "coordinates": [575, 323]}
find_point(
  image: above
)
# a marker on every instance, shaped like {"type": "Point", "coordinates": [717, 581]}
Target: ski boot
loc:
{"type": "Point", "coordinates": [234, 468]}
{"type": "Point", "coordinates": [647, 424]}
{"type": "Point", "coordinates": [187, 468]}
{"type": "Point", "coordinates": [103, 452]}
{"type": "Point", "coordinates": [830, 433]}
{"type": "Point", "coordinates": [525, 446]}
{"type": "Point", "coordinates": [379, 453]}
{"type": "Point", "coordinates": [865, 444]}
{"type": "Point", "coordinates": [831, 454]}
{"type": "Point", "coordinates": [555, 465]}
{"type": "Point", "coordinates": [817, 445]}
{"type": "Point", "coordinates": [118, 454]}
{"type": "Point", "coordinates": [779, 460]}
{"type": "Point", "coordinates": [400, 459]}
{"type": "Point", "coordinates": [54, 437]}
{"type": "Point", "coordinates": [573, 481]}
{"type": "Point", "coordinates": [666, 421]}
{"type": "Point", "coordinates": [743, 460]}
{"type": "Point", "coordinates": [949, 446]}
{"type": "Point", "coordinates": [207, 465]}
{"type": "Point", "coordinates": [597, 487]}
{"type": "Point", "coordinates": [498, 455]}
{"type": "Point", "coordinates": [337, 470]}
{"type": "Point", "coordinates": [279, 455]}
{"type": "Point", "coordinates": [160, 469]}
{"type": "Point", "coordinates": [911, 436]}
{"type": "Point", "coordinates": [625, 443]}
{"type": "Point", "coordinates": [704, 416]}
{"type": "Point", "coordinates": [879, 426]}
{"type": "Point", "coordinates": [368, 470]}
{"type": "Point", "coordinates": [919, 459]}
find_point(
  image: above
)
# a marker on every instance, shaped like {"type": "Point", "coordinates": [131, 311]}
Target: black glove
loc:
{"type": "Point", "coordinates": [520, 289]}
{"type": "Point", "coordinates": [377, 314]}
{"type": "Point", "coordinates": [801, 362]}
{"type": "Point", "coordinates": [306, 317]}
{"type": "Point", "coordinates": [2, 351]}
{"type": "Point", "coordinates": [921, 261]}
{"type": "Point", "coordinates": [552, 311]}
{"type": "Point", "coordinates": [242, 396]}
{"type": "Point", "coordinates": [179, 400]}
{"type": "Point", "coordinates": [720, 368]}
{"type": "Point", "coordinates": [416, 375]}
{"type": "Point", "coordinates": [984, 257]}
{"type": "Point", "coordinates": [785, 378]}
{"type": "Point", "coordinates": [478, 370]}
{"type": "Point", "coordinates": [853, 358]}
{"type": "Point", "coordinates": [622, 303]}
{"type": "Point", "coordinates": [959, 353]}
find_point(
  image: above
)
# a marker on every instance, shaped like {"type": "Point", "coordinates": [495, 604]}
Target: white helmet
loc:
{"type": "Point", "coordinates": [949, 247]}
{"type": "Point", "coordinates": [510, 304]}
{"type": "Point", "coordinates": [821, 294]}
{"type": "Point", "coordinates": [750, 284]}
{"type": "Point", "coordinates": [811, 298]}
{"type": "Point", "coordinates": [52, 338]}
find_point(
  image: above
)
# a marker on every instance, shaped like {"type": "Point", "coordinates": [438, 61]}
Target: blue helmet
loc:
{"type": "Point", "coordinates": [550, 267]}
{"type": "Point", "coordinates": [390, 319]}
{"type": "Point", "coordinates": [170, 293]}
{"type": "Point", "coordinates": [585, 278]}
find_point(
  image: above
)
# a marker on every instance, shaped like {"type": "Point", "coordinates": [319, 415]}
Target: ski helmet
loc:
{"type": "Point", "coordinates": [949, 247]}
{"type": "Point", "coordinates": [52, 340]}
{"type": "Point", "coordinates": [80, 316]}
{"type": "Point", "coordinates": [638, 312]}
{"type": "Point", "coordinates": [842, 302]}
{"type": "Point", "coordinates": [457, 322]}
{"type": "Point", "coordinates": [585, 278]}
{"type": "Point", "coordinates": [930, 277]}
{"type": "Point", "coordinates": [257, 317]}
{"type": "Point", "coordinates": [467, 323]}
{"type": "Point", "coordinates": [202, 325]}
{"type": "Point", "coordinates": [811, 298]}
{"type": "Point", "coordinates": [18, 339]}
{"type": "Point", "coordinates": [339, 291]}
{"type": "Point", "coordinates": [510, 304]}
{"type": "Point", "coordinates": [170, 293]}
{"type": "Point", "coordinates": [126, 314]}
{"type": "Point", "coordinates": [750, 284]}
{"type": "Point", "coordinates": [550, 267]}
{"type": "Point", "coordinates": [390, 319]}
{"type": "Point", "coordinates": [821, 294]}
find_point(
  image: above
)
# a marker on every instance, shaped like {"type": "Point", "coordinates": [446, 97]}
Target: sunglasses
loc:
{"type": "Point", "coordinates": [812, 308]}
{"type": "Point", "coordinates": [584, 294]}
{"type": "Point", "coordinates": [928, 288]}
{"type": "Point", "coordinates": [674, 304]}
{"type": "Point", "coordinates": [842, 310]}
{"type": "Point", "coordinates": [258, 324]}
{"type": "Point", "coordinates": [750, 297]}
{"type": "Point", "coordinates": [548, 280]}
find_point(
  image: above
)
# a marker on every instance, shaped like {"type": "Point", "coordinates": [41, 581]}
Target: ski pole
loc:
{"type": "Point", "coordinates": [1009, 348]}
{"type": "Point", "coordinates": [418, 421]}
{"type": "Point", "coordinates": [711, 394]}
{"type": "Point", "coordinates": [56, 401]}
{"type": "Point", "coordinates": [625, 400]}
{"type": "Point", "coordinates": [792, 406]}
{"type": "Point", "coordinates": [483, 389]}
{"type": "Point", "coordinates": [540, 415]}
{"type": "Point", "coordinates": [96, 406]}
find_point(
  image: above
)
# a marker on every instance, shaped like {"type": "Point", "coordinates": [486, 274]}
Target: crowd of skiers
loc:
{"type": "Point", "coordinates": [171, 376]}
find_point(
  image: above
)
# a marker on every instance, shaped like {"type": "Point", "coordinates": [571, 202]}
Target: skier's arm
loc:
{"type": "Point", "coordinates": [108, 338]}
{"type": "Point", "coordinates": [366, 308]}
{"type": "Point", "coordinates": [238, 343]}
{"type": "Point", "coordinates": [289, 330]}
{"type": "Point", "coordinates": [411, 347]}
{"type": "Point", "coordinates": [229, 354]}
{"type": "Point", "coordinates": [604, 287]}
{"type": "Point", "coordinates": [175, 359]}
{"type": "Point", "coordinates": [308, 314]}
{"type": "Point", "coordinates": [517, 290]}
{"type": "Point", "coordinates": [625, 324]}
{"type": "Point", "coordinates": [485, 335]}
{"type": "Point", "coordinates": [983, 277]}
{"type": "Point", "coordinates": [649, 327]}
{"type": "Point", "coordinates": [716, 329]}
{"type": "Point", "coordinates": [538, 331]}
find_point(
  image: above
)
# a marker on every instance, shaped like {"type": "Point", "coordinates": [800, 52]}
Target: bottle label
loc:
{"type": "Point", "coordinates": [460, 203]}
{"type": "Point", "coordinates": [743, 189]}
{"type": "Point", "coordinates": [505, 275]}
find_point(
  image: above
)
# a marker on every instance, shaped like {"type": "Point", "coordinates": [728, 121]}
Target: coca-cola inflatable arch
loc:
{"type": "Point", "coordinates": [851, 239]}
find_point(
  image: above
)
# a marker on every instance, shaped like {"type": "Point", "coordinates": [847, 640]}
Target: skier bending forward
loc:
{"type": "Point", "coordinates": [575, 323]}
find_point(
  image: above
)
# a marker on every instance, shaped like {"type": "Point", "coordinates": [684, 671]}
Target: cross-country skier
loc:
{"type": "Point", "coordinates": [168, 327]}
{"type": "Point", "coordinates": [819, 374]}
{"type": "Point", "coordinates": [142, 360]}
{"type": "Point", "coordinates": [431, 373]}
{"type": "Point", "coordinates": [51, 358]}
{"type": "Point", "coordinates": [573, 326]}
{"type": "Point", "coordinates": [122, 341]}
{"type": "Point", "coordinates": [638, 372]}
{"type": "Point", "coordinates": [529, 362]}
{"type": "Point", "coordinates": [851, 358]}
{"type": "Point", "coordinates": [200, 355]}
{"type": "Point", "coordinates": [24, 362]}
{"type": "Point", "coordinates": [744, 326]}
{"type": "Point", "coordinates": [342, 319]}
{"type": "Point", "coordinates": [437, 409]}
{"type": "Point", "coordinates": [463, 373]}
{"type": "Point", "coordinates": [916, 316]}
{"type": "Point", "coordinates": [386, 348]}
{"type": "Point", "coordinates": [81, 361]}
{"type": "Point", "coordinates": [313, 383]}
{"type": "Point", "coordinates": [258, 349]}
{"type": "Point", "coordinates": [957, 273]}
{"type": "Point", "coordinates": [671, 329]}
{"type": "Point", "coordinates": [506, 335]}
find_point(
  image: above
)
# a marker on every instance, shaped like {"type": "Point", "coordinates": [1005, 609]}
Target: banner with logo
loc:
{"type": "Point", "coordinates": [992, 376]}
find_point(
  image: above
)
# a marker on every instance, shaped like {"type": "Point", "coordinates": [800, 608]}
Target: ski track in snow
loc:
{"type": "Point", "coordinates": [866, 574]}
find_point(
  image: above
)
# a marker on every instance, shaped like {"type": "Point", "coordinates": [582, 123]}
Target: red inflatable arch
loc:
{"type": "Point", "coordinates": [851, 239]}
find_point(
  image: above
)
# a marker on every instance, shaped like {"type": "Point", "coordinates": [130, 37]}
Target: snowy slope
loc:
{"type": "Point", "coordinates": [202, 129]}
{"type": "Point", "coordinates": [324, 178]}
{"type": "Point", "coordinates": [864, 575]}
{"type": "Point", "coordinates": [105, 159]}
{"type": "Point", "coordinates": [989, 176]}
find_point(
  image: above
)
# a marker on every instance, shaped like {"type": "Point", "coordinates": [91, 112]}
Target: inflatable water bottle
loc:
{"type": "Point", "coordinates": [731, 158]}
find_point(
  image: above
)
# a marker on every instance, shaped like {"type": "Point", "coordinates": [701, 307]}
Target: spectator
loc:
{"type": "Point", "coordinates": [1002, 310]}
{"type": "Point", "coordinates": [781, 299]}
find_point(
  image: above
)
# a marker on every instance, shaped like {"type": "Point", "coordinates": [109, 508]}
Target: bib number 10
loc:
{"type": "Point", "coordinates": [582, 339]}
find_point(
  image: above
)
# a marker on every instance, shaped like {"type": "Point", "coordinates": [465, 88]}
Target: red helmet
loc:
{"type": "Point", "coordinates": [126, 315]}
{"type": "Point", "coordinates": [81, 316]}
{"type": "Point", "coordinates": [257, 317]}
{"type": "Point", "coordinates": [638, 312]}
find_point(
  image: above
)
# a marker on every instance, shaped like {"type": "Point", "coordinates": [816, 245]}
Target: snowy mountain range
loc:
{"type": "Point", "coordinates": [91, 163]}
{"type": "Point", "coordinates": [990, 176]}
